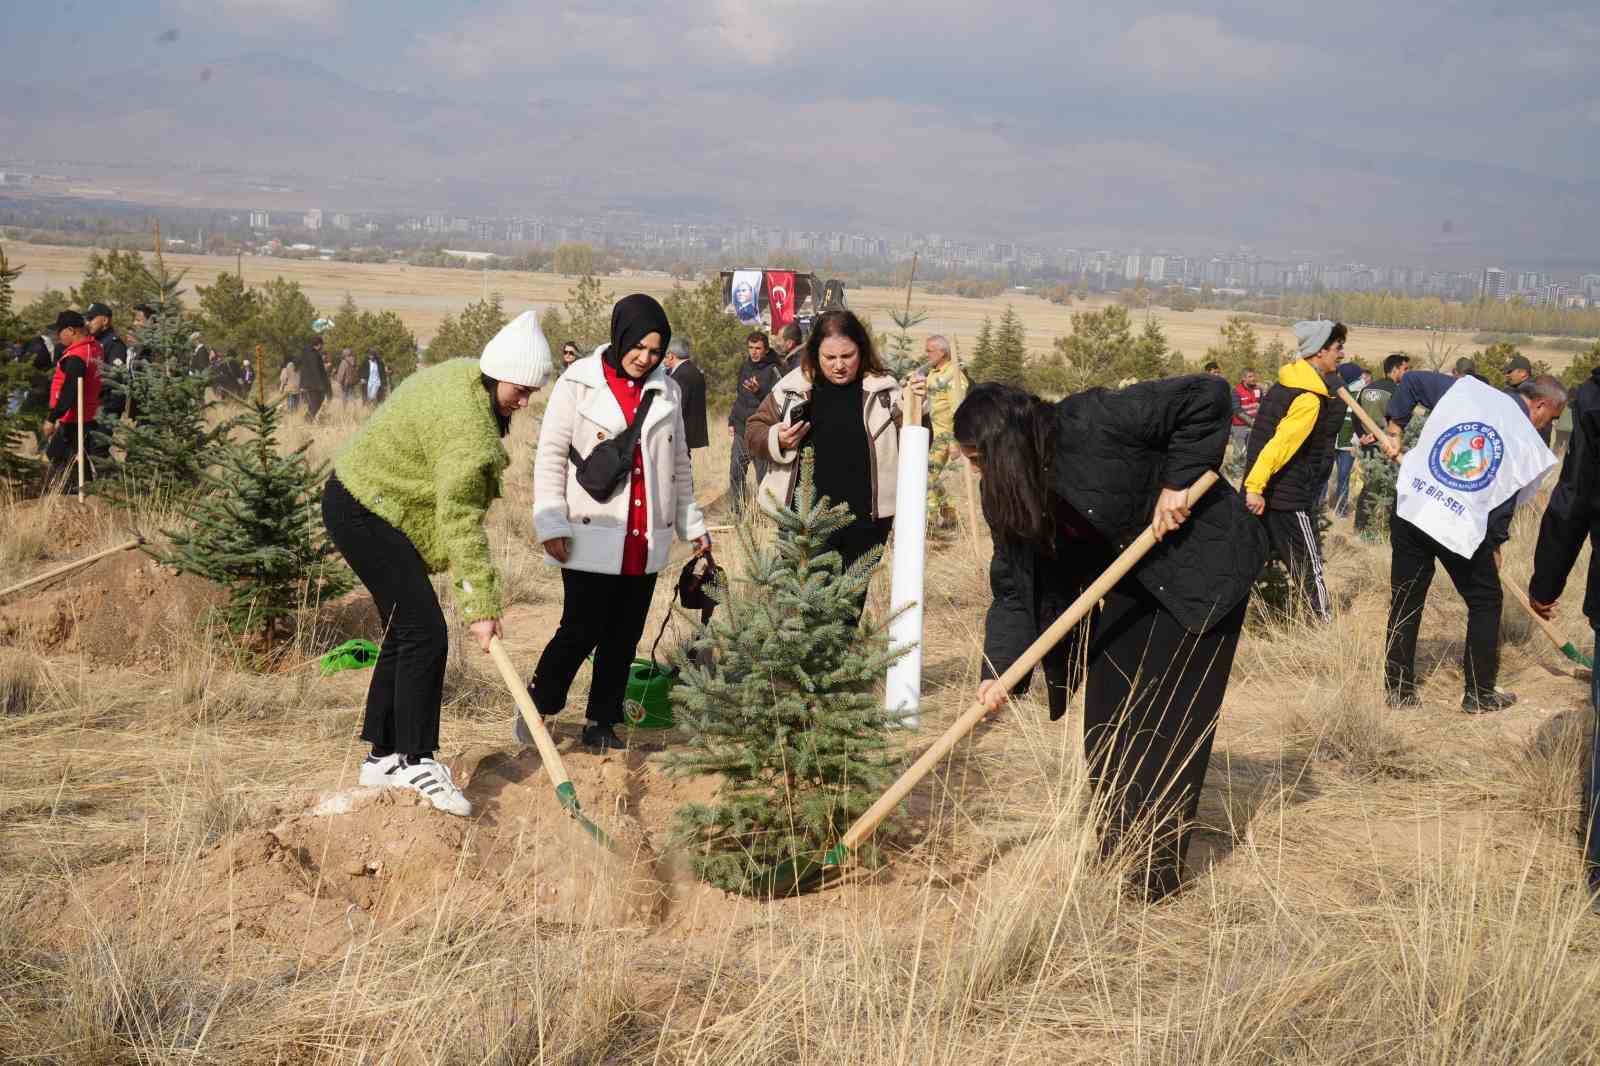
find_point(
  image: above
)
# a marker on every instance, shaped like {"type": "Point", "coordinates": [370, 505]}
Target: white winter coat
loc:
{"type": "Point", "coordinates": [582, 413]}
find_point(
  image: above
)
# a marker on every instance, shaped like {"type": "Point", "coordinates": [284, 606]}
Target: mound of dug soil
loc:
{"type": "Point", "coordinates": [337, 866]}
{"type": "Point", "coordinates": [121, 610]}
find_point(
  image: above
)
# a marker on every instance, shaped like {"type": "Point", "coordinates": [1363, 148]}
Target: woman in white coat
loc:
{"type": "Point", "coordinates": [612, 485]}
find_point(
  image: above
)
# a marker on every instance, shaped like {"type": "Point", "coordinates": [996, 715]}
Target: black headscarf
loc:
{"type": "Point", "coordinates": [632, 319]}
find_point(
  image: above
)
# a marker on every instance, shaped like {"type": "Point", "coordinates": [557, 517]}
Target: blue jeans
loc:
{"type": "Point", "coordinates": [1591, 792]}
{"type": "Point", "coordinates": [1343, 463]}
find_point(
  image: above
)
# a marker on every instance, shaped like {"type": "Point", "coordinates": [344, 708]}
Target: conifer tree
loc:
{"type": "Point", "coordinates": [982, 352]}
{"type": "Point", "coordinates": [1008, 365]}
{"type": "Point", "coordinates": [14, 378]}
{"type": "Point", "coordinates": [258, 532]}
{"type": "Point", "coordinates": [787, 715]}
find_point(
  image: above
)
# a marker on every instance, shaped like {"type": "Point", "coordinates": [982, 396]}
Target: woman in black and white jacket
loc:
{"type": "Point", "coordinates": [610, 550]}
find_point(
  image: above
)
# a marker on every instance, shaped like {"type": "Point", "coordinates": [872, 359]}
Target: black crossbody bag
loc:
{"type": "Point", "coordinates": [603, 471]}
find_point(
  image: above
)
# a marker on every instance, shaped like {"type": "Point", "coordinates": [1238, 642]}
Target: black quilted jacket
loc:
{"type": "Point", "coordinates": [1115, 451]}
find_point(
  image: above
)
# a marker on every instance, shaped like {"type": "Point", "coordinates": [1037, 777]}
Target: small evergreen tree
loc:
{"type": "Point", "coordinates": [258, 532]}
{"type": "Point", "coordinates": [170, 444]}
{"type": "Point", "coordinates": [715, 337]}
{"type": "Point", "coordinates": [787, 715]}
{"type": "Point", "coordinates": [464, 335]}
{"type": "Point", "coordinates": [1009, 363]}
{"type": "Point", "coordinates": [982, 352]}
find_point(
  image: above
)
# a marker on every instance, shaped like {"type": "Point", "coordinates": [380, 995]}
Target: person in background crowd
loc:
{"type": "Point", "coordinates": [1374, 399]}
{"type": "Point", "coordinates": [793, 343]}
{"type": "Point", "coordinates": [289, 385]}
{"type": "Point", "coordinates": [1477, 579]}
{"type": "Point", "coordinates": [1465, 368]}
{"type": "Point", "coordinates": [1517, 370]}
{"type": "Point", "coordinates": [1246, 401]}
{"type": "Point", "coordinates": [1214, 368]}
{"type": "Point", "coordinates": [692, 386]}
{"type": "Point", "coordinates": [1563, 433]}
{"type": "Point", "coordinates": [407, 499]}
{"type": "Point", "coordinates": [610, 550]}
{"type": "Point", "coordinates": [1571, 518]}
{"type": "Point", "coordinates": [79, 362]}
{"type": "Point", "coordinates": [247, 376]}
{"type": "Point", "coordinates": [200, 357]}
{"type": "Point", "coordinates": [947, 387]}
{"type": "Point", "coordinates": [40, 352]}
{"type": "Point", "coordinates": [314, 383]}
{"type": "Point", "coordinates": [851, 429]}
{"type": "Point", "coordinates": [115, 378]}
{"type": "Point", "coordinates": [1065, 487]}
{"type": "Point", "coordinates": [569, 355]}
{"type": "Point", "coordinates": [1353, 378]}
{"type": "Point", "coordinates": [346, 376]}
{"type": "Point", "coordinates": [757, 374]}
{"type": "Point", "coordinates": [1290, 453]}
{"type": "Point", "coordinates": [232, 375]}
{"type": "Point", "coordinates": [143, 315]}
{"type": "Point", "coordinates": [376, 377]}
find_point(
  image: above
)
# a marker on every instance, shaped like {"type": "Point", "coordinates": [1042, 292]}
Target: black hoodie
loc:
{"type": "Point", "coordinates": [1573, 514]}
{"type": "Point", "coordinates": [764, 374]}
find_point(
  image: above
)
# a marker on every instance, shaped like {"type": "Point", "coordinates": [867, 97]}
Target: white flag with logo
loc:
{"type": "Point", "coordinates": [1476, 451]}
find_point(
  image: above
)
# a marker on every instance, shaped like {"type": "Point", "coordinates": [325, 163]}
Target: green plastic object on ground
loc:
{"type": "Point", "coordinates": [1571, 651]}
{"type": "Point", "coordinates": [355, 654]}
{"type": "Point", "coordinates": [649, 698]}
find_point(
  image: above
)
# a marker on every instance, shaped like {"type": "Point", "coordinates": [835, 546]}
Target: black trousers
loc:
{"type": "Point", "coordinates": [603, 614]}
{"type": "Point", "coordinates": [407, 685]}
{"type": "Point", "coordinates": [856, 540]}
{"type": "Point", "coordinates": [739, 460]}
{"type": "Point", "coordinates": [1293, 535]}
{"type": "Point", "coordinates": [1151, 701]}
{"type": "Point", "coordinates": [62, 452]}
{"type": "Point", "coordinates": [1410, 574]}
{"type": "Point", "coordinates": [314, 402]}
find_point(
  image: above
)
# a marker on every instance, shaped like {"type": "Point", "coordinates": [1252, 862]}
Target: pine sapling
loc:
{"type": "Point", "coordinates": [257, 530]}
{"type": "Point", "coordinates": [787, 714]}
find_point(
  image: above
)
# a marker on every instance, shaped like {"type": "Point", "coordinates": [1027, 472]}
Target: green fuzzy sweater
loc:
{"type": "Point", "coordinates": [429, 462]}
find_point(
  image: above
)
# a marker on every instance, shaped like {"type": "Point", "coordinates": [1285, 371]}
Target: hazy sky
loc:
{"type": "Point", "coordinates": [1432, 131]}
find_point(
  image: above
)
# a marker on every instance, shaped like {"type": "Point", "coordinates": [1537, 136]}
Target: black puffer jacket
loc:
{"type": "Point", "coordinates": [1115, 452]}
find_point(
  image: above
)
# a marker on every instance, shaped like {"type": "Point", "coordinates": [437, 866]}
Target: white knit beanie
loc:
{"type": "Point", "coordinates": [1313, 336]}
{"type": "Point", "coordinates": [518, 353]}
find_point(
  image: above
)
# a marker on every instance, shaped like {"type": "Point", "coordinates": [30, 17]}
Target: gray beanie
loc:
{"type": "Point", "coordinates": [1313, 336]}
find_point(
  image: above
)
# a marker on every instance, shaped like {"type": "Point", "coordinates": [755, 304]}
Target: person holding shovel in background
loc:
{"type": "Point", "coordinates": [1066, 487]}
{"type": "Point", "coordinates": [407, 499]}
{"type": "Point", "coordinates": [79, 362]}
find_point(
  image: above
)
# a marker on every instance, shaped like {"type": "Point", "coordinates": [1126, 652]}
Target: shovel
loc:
{"type": "Point", "coordinates": [800, 874]}
{"type": "Point", "coordinates": [566, 795]}
{"type": "Point", "coordinates": [1565, 647]}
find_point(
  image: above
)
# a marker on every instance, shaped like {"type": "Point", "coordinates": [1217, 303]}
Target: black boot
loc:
{"type": "Point", "coordinates": [603, 736]}
{"type": "Point", "coordinates": [1487, 701]}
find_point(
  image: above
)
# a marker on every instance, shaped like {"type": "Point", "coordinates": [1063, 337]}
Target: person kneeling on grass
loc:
{"type": "Point", "coordinates": [407, 499]}
{"type": "Point", "coordinates": [1066, 488]}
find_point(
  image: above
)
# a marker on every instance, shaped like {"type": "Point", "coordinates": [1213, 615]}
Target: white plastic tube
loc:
{"type": "Point", "coordinates": [902, 691]}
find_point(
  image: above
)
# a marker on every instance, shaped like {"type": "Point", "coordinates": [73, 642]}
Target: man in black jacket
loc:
{"type": "Point", "coordinates": [1477, 579]}
{"type": "Point", "coordinates": [1572, 517]}
{"type": "Point", "coordinates": [692, 384]}
{"type": "Point", "coordinates": [314, 383]}
{"type": "Point", "coordinates": [113, 362]}
{"type": "Point", "coordinates": [757, 375]}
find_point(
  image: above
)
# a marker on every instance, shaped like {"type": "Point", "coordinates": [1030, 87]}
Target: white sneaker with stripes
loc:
{"type": "Point", "coordinates": [427, 778]}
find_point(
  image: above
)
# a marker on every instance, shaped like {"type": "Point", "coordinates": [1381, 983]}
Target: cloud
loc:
{"type": "Point", "coordinates": [251, 18]}
{"type": "Point", "coordinates": [1177, 50]}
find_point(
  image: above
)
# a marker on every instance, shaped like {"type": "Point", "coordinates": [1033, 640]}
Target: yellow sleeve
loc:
{"type": "Point", "coordinates": [1292, 430]}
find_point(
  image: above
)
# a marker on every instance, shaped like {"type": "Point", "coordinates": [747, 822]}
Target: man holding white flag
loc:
{"type": "Point", "coordinates": [1456, 494]}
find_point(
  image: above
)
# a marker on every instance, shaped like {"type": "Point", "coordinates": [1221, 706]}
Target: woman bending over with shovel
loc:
{"type": "Point", "coordinates": [1066, 487]}
{"type": "Point", "coordinates": [407, 499]}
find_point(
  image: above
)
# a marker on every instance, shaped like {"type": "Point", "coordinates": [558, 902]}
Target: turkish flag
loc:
{"type": "Point", "coordinates": [780, 297]}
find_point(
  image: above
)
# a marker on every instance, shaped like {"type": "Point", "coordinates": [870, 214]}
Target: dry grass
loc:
{"type": "Point", "coordinates": [1371, 886]}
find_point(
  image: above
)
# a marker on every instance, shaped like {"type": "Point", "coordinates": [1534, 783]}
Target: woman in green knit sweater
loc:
{"type": "Point", "coordinates": [407, 499]}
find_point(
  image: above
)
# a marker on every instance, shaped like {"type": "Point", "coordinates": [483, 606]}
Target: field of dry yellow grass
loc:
{"type": "Point", "coordinates": [185, 876]}
{"type": "Point", "coordinates": [422, 296]}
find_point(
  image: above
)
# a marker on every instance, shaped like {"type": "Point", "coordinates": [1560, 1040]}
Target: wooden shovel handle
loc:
{"type": "Point", "coordinates": [1376, 430]}
{"type": "Point", "coordinates": [1125, 562]}
{"type": "Point", "coordinates": [530, 714]}
{"type": "Point", "coordinates": [67, 568]}
{"type": "Point", "coordinates": [1544, 626]}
